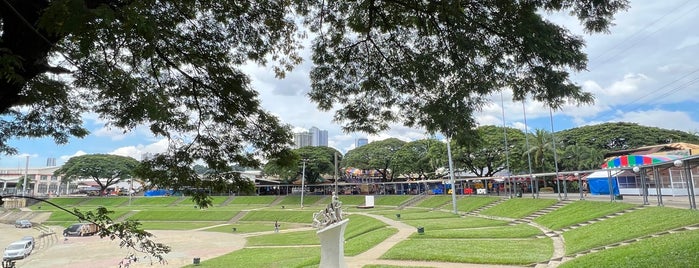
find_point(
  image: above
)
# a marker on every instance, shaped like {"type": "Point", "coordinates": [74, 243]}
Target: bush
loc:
{"type": "Point", "coordinates": [546, 190]}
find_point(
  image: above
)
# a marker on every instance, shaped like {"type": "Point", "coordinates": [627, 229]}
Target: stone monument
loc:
{"type": "Point", "coordinates": [331, 231]}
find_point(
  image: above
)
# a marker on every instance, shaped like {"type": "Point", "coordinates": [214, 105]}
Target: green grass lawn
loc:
{"type": "Point", "coordinates": [673, 250]}
{"type": "Point", "coordinates": [247, 200]}
{"type": "Point", "coordinates": [391, 200]}
{"type": "Point", "coordinates": [308, 200]}
{"type": "Point", "coordinates": [447, 237]}
{"type": "Point", "coordinates": [61, 201]}
{"type": "Point", "coordinates": [180, 225]}
{"type": "Point", "coordinates": [505, 251]}
{"type": "Point", "coordinates": [365, 241]}
{"type": "Point", "coordinates": [155, 200]}
{"type": "Point", "coordinates": [471, 203]}
{"type": "Point", "coordinates": [634, 224]}
{"type": "Point", "coordinates": [352, 200]}
{"type": "Point", "coordinates": [305, 216]}
{"type": "Point", "coordinates": [285, 239]}
{"type": "Point", "coordinates": [105, 201]}
{"type": "Point", "coordinates": [517, 231]}
{"type": "Point", "coordinates": [454, 223]}
{"type": "Point", "coordinates": [580, 211]}
{"type": "Point", "coordinates": [519, 207]}
{"type": "Point", "coordinates": [266, 257]}
{"type": "Point", "coordinates": [253, 227]}
{"type": "Point", "coordinates": [434, 201]}
{"type": "Point", "coordinates": [183, 215]}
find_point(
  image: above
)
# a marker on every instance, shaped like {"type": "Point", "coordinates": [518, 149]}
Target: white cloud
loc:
{"type": "Point", "coordinates": [137, 151]}
{"type": "Point", "coordinates": [677, 120]}
{"type": "Point", "coordinates": [64, 158]}
{"type": "Point", "coordinates": [688, 41]}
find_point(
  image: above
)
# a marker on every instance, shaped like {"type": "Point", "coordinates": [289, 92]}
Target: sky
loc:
{"type": "Point", "coordinates": [643, 71]}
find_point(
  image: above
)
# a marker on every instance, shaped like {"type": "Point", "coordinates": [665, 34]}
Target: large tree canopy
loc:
{"type": "Point", "coordinates": [486, 154]}
{"type": "Point", "coordinates": [320, 160]}
{"type": "Point", "coordinates": [377, 155]}
{"type": "Point", "coordinates": [175, 66]}
{"type": "Point", "coordinates": [105, 169]}
{"type": "Point", "coordinates": [422, 62]}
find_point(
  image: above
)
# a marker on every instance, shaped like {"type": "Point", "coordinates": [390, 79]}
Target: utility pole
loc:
{"type": "Point", "coordinates": [303, 180]}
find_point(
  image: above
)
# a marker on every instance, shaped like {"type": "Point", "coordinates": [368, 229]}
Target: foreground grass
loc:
{"type": "Point", "coordinates": [434, 201]}
{"type": "Point", "coordinates": [247, 200]}
{"type": "Point", "coordinates": [630, 225]}
{"type": "Point", "coordinates": [365, 241]}
{"type": "Point", "coordinates": [519, 252]}
{"type": "Point", "coordinates": [61, 201]}
{"type": "Point", "coordinates": [308, 200]}
{"type": "Point", "coordinates": [673, 250]}
{"type": "Point", "coordinates": [305, 216]}
{"type": "Point", "coordinates": [580, 211]}
{"type": "Point", "coordinates": [519, 207]}
{"type": "Point", "coordinates": [266, 257]}
{"type": "Point", "coordinates": [454, 223]}
{"type": "Point", "coordinates": [517, 231]}
{"type": "Point", "coordinates": [391, 200]}
{"type": "Point", "coordinates": [471, 203]}
{"type": "Point", "coordinates": [183, 215]}
{"type": "Point", "coordinates": [168, 225]}
{"type": "Point", "coordinates": [285, 239]}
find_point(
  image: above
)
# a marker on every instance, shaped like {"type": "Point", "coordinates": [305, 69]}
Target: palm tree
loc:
{"type": "Point", "coordinates": [540, 148]}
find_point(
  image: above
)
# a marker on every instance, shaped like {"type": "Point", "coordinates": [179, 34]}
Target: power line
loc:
{"type": "Point", "coordinates": [630, 45]}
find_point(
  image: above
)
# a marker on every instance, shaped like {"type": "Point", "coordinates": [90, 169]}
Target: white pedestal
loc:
{"type": "Point", "coordinates": [332, 245]}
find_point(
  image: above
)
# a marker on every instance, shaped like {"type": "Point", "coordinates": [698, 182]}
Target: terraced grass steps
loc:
{"type": "Point", "coordinates": [227, 201]}
{"type": "Point", "coordinates": [547, 210]}
{"type": "Point", "coordinates": [478, 210]}
{"type": "Point", "coordinates": [599, 219]}
{"type": "Point", "coordinates": [631, 241]}
{"type": "Point", "coordinates": [276, 201]}
{"type": "Point", "coordinates": [178, 201]}
{"type": "Point", "coordinates": [238, 216]}
{"type": "Point", "coordinates": [412, 201]}
{"type": "Point", "coordinates": [126, 216]}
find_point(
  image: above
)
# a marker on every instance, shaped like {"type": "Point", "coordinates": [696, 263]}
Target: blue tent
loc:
{"type": "Point", "coordinates": [598, 182]}
{"type": "Point", "coordinates": [159, 192]}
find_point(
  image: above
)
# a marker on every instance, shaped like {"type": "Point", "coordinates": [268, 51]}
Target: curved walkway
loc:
{"type": "Point", "coordinates": [372, 255]}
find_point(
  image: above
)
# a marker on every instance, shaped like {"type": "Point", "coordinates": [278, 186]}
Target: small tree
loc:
{"type": "Point", "coordinates": [106, 170]}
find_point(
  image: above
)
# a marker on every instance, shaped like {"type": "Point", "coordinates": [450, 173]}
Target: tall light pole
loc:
{"type": "Point", "coordinates": [555, 158]}
{"type": "Point", "coordinates": [451, 176]}
{"type": "Point", "coordinates": [26, 177]}
{"type": "Point", "coordinates": [336, 193]}
{"type": "Point", "coordinates": [535, 186]}
{"type": "Point", "coordinates": [303, 180]}
{"type": "Point", "coordinates": [131, 191]}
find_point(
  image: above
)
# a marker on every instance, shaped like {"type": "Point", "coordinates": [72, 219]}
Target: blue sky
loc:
{"type": "Point", "coordinates": [644, 71]}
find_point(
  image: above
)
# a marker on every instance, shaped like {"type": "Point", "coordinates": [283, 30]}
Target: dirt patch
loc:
{"type": "Point", "coordinates": [55, 252]}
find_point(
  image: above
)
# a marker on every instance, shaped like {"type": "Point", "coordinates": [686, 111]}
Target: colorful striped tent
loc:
{"type": "Point", "coordinates": [626, 161]}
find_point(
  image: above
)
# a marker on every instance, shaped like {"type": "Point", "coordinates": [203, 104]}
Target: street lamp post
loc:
{"type": "Point", "coordinates": [580, 185]}
{"type": "Point", "coordinates": [131, 191]}
{"type": "Point", "coordinates": [303, 180]}
{"type": "Point", "coordinates": [451, 177]}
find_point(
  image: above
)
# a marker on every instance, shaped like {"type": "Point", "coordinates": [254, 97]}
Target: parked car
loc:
{"type": "Point", "coordinates": [23, 224]}
{"type": "Point", "coordinates": [81, 229]}
{"type": "Point", "coordinates": [18, 250]}
{"type": "Point", "coordinates": [28, 238]}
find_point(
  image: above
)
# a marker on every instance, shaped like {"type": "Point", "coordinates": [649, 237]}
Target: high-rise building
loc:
{"type": "Point", "coordinates": [319, 137]}
{"type": "Point", "coordinates": [313, 137]}
{"type": "Point", "coordinates": [51, 162]}
{"type": "Point", "coordinates": [303, 139]}
{"type": "Point", "coordinates": [361, 142]}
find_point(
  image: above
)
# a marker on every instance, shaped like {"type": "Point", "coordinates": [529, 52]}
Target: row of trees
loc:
{"type": "Point", "coordinates": [482, 152]}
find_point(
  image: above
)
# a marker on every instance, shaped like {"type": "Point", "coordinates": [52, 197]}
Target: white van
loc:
{"type": "Point", "coordinates": [18, 250]}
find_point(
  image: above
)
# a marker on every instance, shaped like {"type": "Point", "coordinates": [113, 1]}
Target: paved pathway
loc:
{"type": "Point", "coordinates": [372, 255]}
